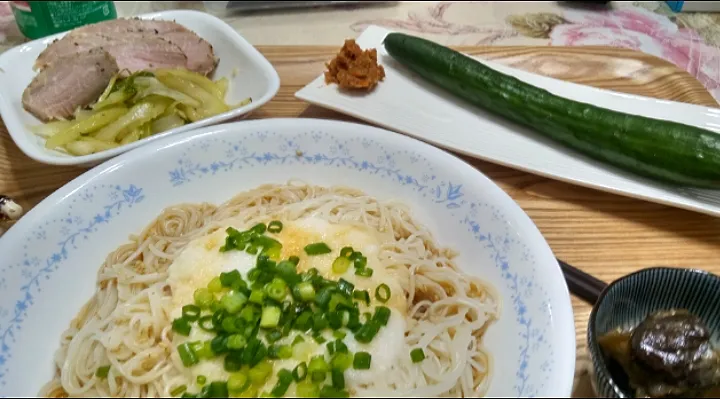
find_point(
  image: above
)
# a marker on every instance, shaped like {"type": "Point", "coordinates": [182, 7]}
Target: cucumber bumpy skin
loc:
{"type": "Point", "coordinates": [667, 151]}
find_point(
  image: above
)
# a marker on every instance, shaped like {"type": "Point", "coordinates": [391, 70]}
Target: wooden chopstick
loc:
{"type": "Point", "coordinates": [581, 284]}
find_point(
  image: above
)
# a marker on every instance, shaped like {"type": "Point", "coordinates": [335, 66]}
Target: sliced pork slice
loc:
{"type": "Point", "coordinates": [133, 51]}
{"type": "Point", "coordinates": [68, 83]}
{"type": "Point", "coordinates": [69, 46]}
{"type": "Point", "coordinates": [126, 25]}
{"type": "Point", "coordinates": [147, 53]}
{"type": "Point", "coordinates": [102, 34]}
{"type": "Point", "coordinates": [200, 56]}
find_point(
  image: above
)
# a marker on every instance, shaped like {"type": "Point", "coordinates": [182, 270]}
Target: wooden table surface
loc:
{"type": "Point", "coordinates": [603, 234]}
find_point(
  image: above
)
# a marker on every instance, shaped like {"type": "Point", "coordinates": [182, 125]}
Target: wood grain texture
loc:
{"type": "Point", "coordinates": [601, 233]}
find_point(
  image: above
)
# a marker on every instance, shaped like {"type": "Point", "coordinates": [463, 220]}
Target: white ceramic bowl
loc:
{"type": "Point", "coordinates": [249, 72]}
{"type": "Point", "coordinates": [49, 259]}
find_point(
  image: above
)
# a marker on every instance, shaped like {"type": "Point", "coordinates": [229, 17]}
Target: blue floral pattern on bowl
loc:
{"type": "Point", "coordinates": [224, 155]}
{"type": "Point", "coordinates": [73, 229]}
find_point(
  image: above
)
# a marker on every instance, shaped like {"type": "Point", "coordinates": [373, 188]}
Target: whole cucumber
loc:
{"type": "Point", "coordinates": [667, 151]}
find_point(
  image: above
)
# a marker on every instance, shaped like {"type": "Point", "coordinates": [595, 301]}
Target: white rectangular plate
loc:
{"type": "Point", "coordinates": [248, 72]}
{"type": "Point", "coordinates": [404, 103]}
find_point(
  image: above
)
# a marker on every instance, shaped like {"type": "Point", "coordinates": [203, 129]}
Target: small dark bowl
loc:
{"type": "Point", "coordinates": [627, 301]}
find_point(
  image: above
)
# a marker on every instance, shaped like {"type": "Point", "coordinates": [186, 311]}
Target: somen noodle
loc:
{"type": "Point", "coordinates": [127, 325]}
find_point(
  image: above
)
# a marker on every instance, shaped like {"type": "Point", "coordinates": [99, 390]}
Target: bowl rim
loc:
{"type": "Point", "coordinates": [17, 130]}
{"type": "Point", "coordinates": [565, 357]}
{"type": "Point", "coordinates": [593, 346]}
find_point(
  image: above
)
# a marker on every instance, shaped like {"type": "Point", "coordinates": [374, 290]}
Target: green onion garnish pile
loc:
{"type": "Point", "coordinates": [252, 320]}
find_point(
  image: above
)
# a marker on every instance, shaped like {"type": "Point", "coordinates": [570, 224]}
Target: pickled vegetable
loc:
{"type": "Point", "coordinates": [138, 106]}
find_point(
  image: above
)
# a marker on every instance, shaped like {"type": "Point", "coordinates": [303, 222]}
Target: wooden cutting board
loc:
{"type": "Point", "coordinates": [603, 234]}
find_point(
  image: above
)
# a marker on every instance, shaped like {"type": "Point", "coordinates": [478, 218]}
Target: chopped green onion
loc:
{"type": "Point", "coordinates": [259, 355]}
{"type": "Point", "coordinates": [201, 380]}
{"type": "Point", "coordinates": [346, 287]}
{"type": "Point", "coordinates": [322, 298]}
{"type": "Point", "coordinates": [340, 346]}
{"type": "Point", "coordinates": [307, 389]}
{"type": "Point", "coordinates": [305, 291]}
{"type": "Point", "coordinates": [219, 344]}
{"type": "Point", "coordinates": [304, 322]}
{"type": "Point", "coordinates": [273, 352]}
{"type": "Point", "coordinates": [362, 361]}
{"type": "Point", "coordinates": [187, 355]}
{"type": "Point", "coordinates": [382, 293]}
{"type": "Point", "coordinates": [218, 389]}
{"type": "Point", "coordinates": [215, 285]}
{"type": "Point", "coordinates": [257, 296]}
{"type": "Point", "coordinates": [179, 390]}
{"type": "Point", "coordinates": [367, 332]}
{"type": "Point", "coordinates": [232, 324]}
{"type": "Point", "coordinates": [203, 298]}
{"type": "Point", "coordinates": [319, 248]}
{"type": "Point", "coordinates": [227, 279]}
{"type": "Point", "coordinates": [318, 368]}
{"type": "Point", "coordinates": [259, 228]}
{"type": "Point", "coordinates": [341, 265]}
{"type": "Point", "coordinates": [320, 322]}
{"type": "Point", "coordinates": [218, 318]}
{"type": "Point", "coordinates": [252, 250]}
{"type": "Point", "coordinates": [339, 301]}
{"type": "Point", "coordinates": [331, 348]}
{"type": "Point", "coordinates": [360, 262]}
{"type": "Point", "coordinates": [236, 341]}
{"type": "Point", "coordinates": [285, 378]}
{"type": "Point", "coordinates": [285, 352]}
{"type": "Point", "coordinates": [274, 336]}
{"type": "Point", "coordinates": [263, 262]}
{"type": "Point", "coordinates": [260, 373]}
{"type": "Point", "coordinates": [277, 289]}
{"type": "Point", "coordinates": [241, 286]}
{"type": "Point", "coordinates": [362, 296]}
{"type": "Point", "coordinates": [353, 323]}
{"type": "Point", "coordinates": [294, 260]}
{"type": "Point", "coordinates": [319, 338]}
{"type": "Point", "coordinates": [253, 274]}
{"type": "Point", "coordinates": [339, 334]}
{"type": "Point", "coordinates": [215, 306]}
{"type": "Point", "coordinates": [238, 382]}
{"type": "Point", "coordinates": [417, 355]}
{"type": "Point", "coordinates": [233, 362]}
{"type": "Point", "coordinates": [364, 272]}
{"type": "Point", "coordinates": [346, 252]}
{"type": "Point", "coordinates": [342, 361]}
{"type": "Point", "coordinates": [275, 226]}
{"type": "Point", "coordinates": [338, 378]}
{"type": "Point", "coordinates": [206, 323]}
{"type": "Point", "coordinates": [270, 317]}
{"type": "Point", "coordinates": [300, 372]}
{"type": "Point", "coordinates": [335, 320]}
{"type": "Point", "coordinates": [329, 391]}
{"type": "Point", "coordinates": [287, 271]}
{"type": "Point", "coordinates": [298, 339]}
{"type": "Point", "coordinates": [191, 312]}
{"type": "Point", "coordinates": [204, 350]}
{"type": "Point", "coordinates": [233, 301]}
{"type": "Point", "coordinates": [102, 372]}
{"type": "Point", "coordinates": [367, 316]}
{"type": "Point", "coordinates": [181, 326]}
{"type": "Point", "coordinates": [382, 315]}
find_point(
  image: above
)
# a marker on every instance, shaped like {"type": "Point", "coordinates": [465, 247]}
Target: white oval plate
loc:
{"type": "Point", "coordinates": [401, 102]}
{"type": "Point", "coordinates": [51, 256]}
{"type": "Point", "coordinates": [250, 75]}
